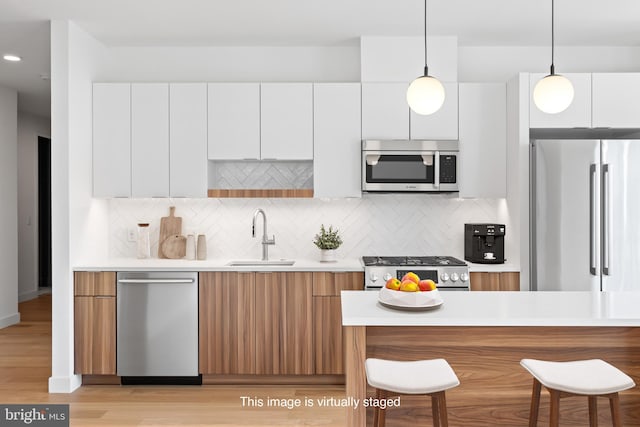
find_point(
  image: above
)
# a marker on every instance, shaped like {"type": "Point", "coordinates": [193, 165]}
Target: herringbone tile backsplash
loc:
{"type": "Point", "coordinates": [376, 224]}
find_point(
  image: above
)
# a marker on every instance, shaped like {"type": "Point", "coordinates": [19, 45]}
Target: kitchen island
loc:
{"type": "Point", "coordinates": [483, 336]}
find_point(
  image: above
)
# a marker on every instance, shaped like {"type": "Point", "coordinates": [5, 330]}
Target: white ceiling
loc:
{"type": "Point", "coordinates": [24, 26]}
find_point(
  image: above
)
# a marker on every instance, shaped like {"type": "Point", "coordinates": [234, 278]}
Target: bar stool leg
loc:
{"type": "Point", "coordinates": [593, 411]}
{"type": "Point", "coordinates": [444, 420]}
{"type": "Point", "coordinates": [376, 410]}
{"type": "Point", "coordinates": [535, 403]}
{"type": "Point", "coordinates": [554, 416]}
{"type": "Point", "coordinates": [435, 410]}
{"type": "Point", "coordinates": [614, 402]}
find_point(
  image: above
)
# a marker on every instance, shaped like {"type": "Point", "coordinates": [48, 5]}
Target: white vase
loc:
{"type": "Point", "coordinates": [328, 255]}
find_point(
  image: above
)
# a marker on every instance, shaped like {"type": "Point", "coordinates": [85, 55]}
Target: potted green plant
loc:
{"type": "Point", "coordinates": [328, 240]}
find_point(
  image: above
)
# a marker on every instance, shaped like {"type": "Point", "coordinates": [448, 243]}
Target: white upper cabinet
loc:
{"type": "Point", "coordinates": [234, 121]}
{"type": "Point", "coordinates": [286, 125]}
{"type": "Point", "coordinates": [578, 114]}
{"type": "Point", "coordinates": [188, 139]}
{"type": "Point", "coordinates": [443, 124]}
{"type": "Point", "coordinates": [385, 112]}
{"type": "Point", "coordinates": [483, 140]}
{"type": "Point", "coordinates": [111, 140]}
{"type": "Point", "coordinates": [150, 140]}
{"type": "Point", "coordinates": [616, 100]}
{"type": "Point", "coordinates": [336, 134]}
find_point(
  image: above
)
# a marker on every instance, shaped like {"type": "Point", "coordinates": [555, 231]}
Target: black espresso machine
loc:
{"type": "Point", "coordinates": [484, 243]}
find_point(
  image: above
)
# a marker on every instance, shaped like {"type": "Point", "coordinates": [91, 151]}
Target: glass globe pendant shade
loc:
{"type": "Point", "coordinates": [425, 95]}
{"type": "Point", "coordinates": [553, 94]}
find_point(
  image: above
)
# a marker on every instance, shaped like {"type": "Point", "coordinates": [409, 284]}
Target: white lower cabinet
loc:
{"type": "Point", "coordinates": [483, 140]}
{"type": "Point", "coordinates": [150, 140]}
{"type": "Point", "coordinates": [337, 140]}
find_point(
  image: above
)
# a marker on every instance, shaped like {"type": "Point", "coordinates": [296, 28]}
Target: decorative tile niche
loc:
{"type": "Point", "coordinates": [376, 224]}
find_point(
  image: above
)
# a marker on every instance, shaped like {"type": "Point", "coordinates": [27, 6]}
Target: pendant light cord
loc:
{"type": "Point", "coordinates": [553, 70]}
{"type": "Point", "coordinates": [426, 68]}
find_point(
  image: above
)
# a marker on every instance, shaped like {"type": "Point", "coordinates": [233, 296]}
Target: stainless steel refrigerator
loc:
{"type": "Point", "coordinates": [585, 207]}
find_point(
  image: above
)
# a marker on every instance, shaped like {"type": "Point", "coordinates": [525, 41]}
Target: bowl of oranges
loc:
{"type": "Point", "coordinates": [410, 292]}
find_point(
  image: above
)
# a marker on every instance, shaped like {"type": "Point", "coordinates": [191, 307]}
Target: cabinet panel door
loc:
{"type": "Point", "coordinates": [188, 140]}
{"type": "Point", "coordinates": [616, 100]}
{"type": "Point", "coordinates": [336, 140]}
{"type": "Point", "coordinates": [104, 335]}
{"type": "Point", "coordinates": [327, 320]}
{"type": "Point", "coordinates": [150, 140]}
{"type": "Point", "coordinates": [111, 140]}
{"type": "Point", "coordinates": [284, 316]}
{"type": "Point", "coordinates": [326, 283]}
{"type": "Point", "coordinates": [577, 114]}
{"type": "Point", "coordinates": [385, 112]}
{"type": "Point", "coordinates": [227, 323]}
{"type": "Point", "coordinates": [286, 125]}
{"type": "Point", "coordinates": [83, 334]}
{"type": "Point", "coordinates": [483, 140]}
{"type": "Point", "coordinates": [234, 121]}
{"type": "Point", "coordinates": [443, 124]}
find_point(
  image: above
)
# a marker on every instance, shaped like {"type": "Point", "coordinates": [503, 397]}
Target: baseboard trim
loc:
{"type": "Point", "coordinates": [64, 384]}
{"type": "Point", "coordinates": [272, 379]}
{"type": "Point", "coordinates": [28, 296]}
{"type": "Point", "coordinates": [9, 320]}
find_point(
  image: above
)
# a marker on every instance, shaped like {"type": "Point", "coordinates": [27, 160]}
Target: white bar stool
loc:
{"type": "Point", "coordinates": [428, 377]}
{"type": "Point", "coordinates": [592, 378]}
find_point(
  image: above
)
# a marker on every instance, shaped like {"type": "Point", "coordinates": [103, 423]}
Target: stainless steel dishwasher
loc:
{"type": "Point", "coordinates": [157, 327]}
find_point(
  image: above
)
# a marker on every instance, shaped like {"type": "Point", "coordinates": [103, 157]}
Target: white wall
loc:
{"type": "Point", "coordinates": [238, 64]}
{"type": "Point", "coordinates": [30, 127]}
{"type": "Point", "coordinates": [8, 207]}
{"type": "Point", "coordinates": [77, 220]}
{"type": "Point", "coordinates": [500, 63]}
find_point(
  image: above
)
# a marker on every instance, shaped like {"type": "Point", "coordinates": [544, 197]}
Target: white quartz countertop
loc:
{"type": "Point", "coordinates": [156, 264]}
{"type": "Point", "coordinates": [492, 268]}
{"type": "Point", "coordinates": [500, 309]}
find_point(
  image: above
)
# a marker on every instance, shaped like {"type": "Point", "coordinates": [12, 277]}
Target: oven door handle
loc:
{"type": "Point", "coordinates": [436, 171]}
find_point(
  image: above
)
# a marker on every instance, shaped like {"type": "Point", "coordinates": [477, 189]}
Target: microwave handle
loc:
{"type": "Point", "coordinates": [436, 171]}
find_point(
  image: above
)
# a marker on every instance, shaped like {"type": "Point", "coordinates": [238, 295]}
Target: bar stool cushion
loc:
{"type": "Point", "coordinates": [588, 377]}
{"type": "Point", "coordinates": [416, 377]}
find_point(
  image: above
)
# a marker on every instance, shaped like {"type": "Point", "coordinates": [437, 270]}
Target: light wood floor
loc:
{"type": "Point", "coordinates": [25, 366]}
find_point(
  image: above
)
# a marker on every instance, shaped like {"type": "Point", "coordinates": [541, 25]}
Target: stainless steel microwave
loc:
{"type": "Point", "coordinates": [409, 165]}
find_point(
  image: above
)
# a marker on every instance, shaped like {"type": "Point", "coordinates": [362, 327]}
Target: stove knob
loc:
{"type": "Point", "coordinates": [386, 276]}
{"type": "Point", "coordinates": [464, 277]}
{"type": "Point", "coordinates": [444, 277]}
{"type": "Point", "coordinates": [454, 277]}
{"type": "Point", "coordinates": [373, 277]}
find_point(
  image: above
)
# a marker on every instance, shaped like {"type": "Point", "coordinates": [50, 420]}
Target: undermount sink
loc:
{"type": "Point", "coordinates": [258, 262]}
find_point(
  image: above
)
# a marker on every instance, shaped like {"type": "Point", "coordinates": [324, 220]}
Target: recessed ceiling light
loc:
{"type": "Point", "coordinates": [12, 58]}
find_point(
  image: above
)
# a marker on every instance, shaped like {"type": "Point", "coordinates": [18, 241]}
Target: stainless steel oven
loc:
{"type": "Point", "coordinates": [409, 165]}
{"type": "Point", "coordinates": [449, 273]}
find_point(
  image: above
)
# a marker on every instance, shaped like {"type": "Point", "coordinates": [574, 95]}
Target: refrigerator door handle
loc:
{"type": "Point", "coordinates": [606, 252]}
{"type": "Point", "coordinates": [592, 220]}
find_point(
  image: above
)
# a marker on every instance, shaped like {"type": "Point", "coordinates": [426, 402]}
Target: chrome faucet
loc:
{"type": "Point", "coordinates": [265, 238]}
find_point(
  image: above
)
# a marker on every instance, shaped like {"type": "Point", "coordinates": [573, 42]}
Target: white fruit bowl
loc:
{"type": "Point", "coordinates": [410, 299]}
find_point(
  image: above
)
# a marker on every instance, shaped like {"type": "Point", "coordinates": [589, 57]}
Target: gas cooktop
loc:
{"type": "Point", "coordinates": [399, 261]}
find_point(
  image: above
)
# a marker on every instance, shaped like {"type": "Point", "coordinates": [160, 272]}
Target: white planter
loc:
{"type": "Point", "coordinates": [328, 255]}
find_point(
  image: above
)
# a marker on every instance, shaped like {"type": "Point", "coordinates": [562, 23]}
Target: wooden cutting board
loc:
{"type": "Point", "coordinates": [174, 247]}
{"type": "Point", "coordinates": [169, 226]}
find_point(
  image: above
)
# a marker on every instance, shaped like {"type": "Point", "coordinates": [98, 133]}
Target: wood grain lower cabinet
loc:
{"type": "Point", "coordinates": [227, 323]}
{"type": "Point", "coordinates": [95, 323]}
{"type": "Point", "coordinates": [327, 319]}
{"type": "Point", "coordinates": [284, 323]}
{"type": "Point", "coordinates": [495, 281]}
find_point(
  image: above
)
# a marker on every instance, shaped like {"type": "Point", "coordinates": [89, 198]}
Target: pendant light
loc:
{"type": "Point", "coordinates": [425, 94]}
{"type": "Point", "coordinates": [554, 93]}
